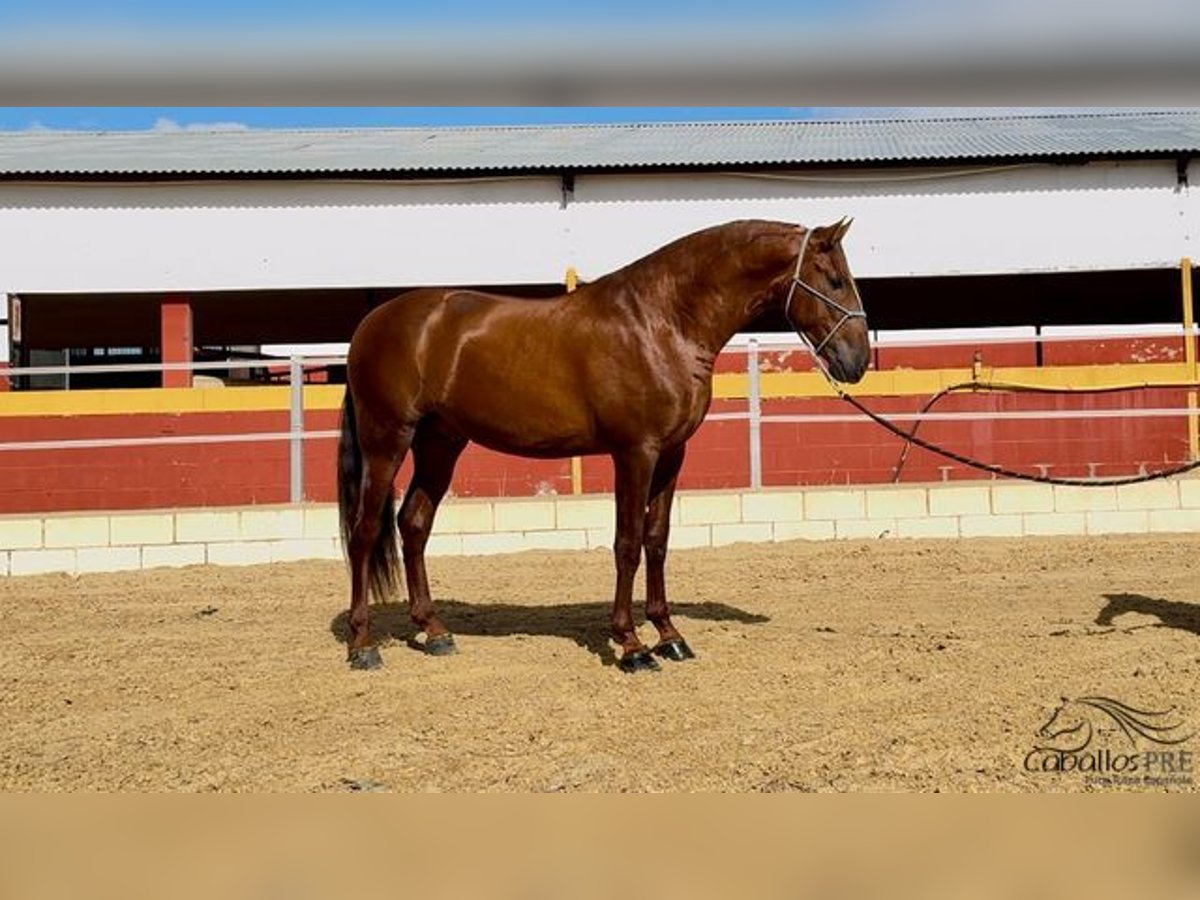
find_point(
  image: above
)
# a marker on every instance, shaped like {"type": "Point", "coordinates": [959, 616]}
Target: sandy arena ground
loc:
{"type": "Point", "coordinates": [887, 665]}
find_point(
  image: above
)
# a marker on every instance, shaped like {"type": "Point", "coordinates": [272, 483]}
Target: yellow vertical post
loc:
{"type": "Point", "coordinates": [1189, 355]}
{"type": "Point", "coordinates": [576, 462]}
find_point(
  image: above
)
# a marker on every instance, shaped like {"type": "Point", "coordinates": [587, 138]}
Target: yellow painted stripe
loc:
{"type": "Point", "coordinates": [726, 386]}
{"type": "Point", "coordinates": [324, 396]}
{"type": "Point", "coordinates": [164, 400]}
{"type": "Point", "coordinates": [923, 382]}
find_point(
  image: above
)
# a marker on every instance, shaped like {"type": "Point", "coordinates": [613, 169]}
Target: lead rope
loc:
{"type": "Point", "coordinates": [911, 438]}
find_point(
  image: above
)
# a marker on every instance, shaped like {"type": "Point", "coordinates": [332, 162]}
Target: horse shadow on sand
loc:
{"type": "Point", "coordinates": [584, 623]}
{"type": "Point", "coordinates": [1170, 613]}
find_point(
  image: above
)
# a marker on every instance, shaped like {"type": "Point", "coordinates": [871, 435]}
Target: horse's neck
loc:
{"type": "Point", "coordinates": [702, 289]}
{"type": "Point", "coordinates": [711, 307]}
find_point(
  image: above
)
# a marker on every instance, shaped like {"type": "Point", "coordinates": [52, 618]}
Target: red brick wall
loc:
{"type": "Point", "coordinates": [718, 455]}
{"type": "Point", "coordinates": [861, 452]}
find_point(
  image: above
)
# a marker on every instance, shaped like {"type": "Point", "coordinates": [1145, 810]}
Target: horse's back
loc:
{"type": "Point", "coordinates": [501, 370]}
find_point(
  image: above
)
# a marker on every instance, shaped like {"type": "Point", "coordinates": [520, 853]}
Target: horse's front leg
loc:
{"type": "Point", "coordinates": [435, 451]}
{"type": "Point", "coordinates": [671, 644]}
{"type": "Point", "coordinates": [634, 470]}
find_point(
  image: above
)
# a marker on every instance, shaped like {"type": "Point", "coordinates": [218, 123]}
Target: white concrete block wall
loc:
{"type": "Point", "coordinates": [41, 562]}
{"type": "Point", "coordinates": [174, 556]}
{"type": "Point", "coordinates": [271, 524]}
{"type": "Point", "coordinates": [21, 534]}
{"type": "Point", "coordinates": [928, 527]}
{"type": "Point", "coordinates": [1022, 498]}
{"type": "Point", "coordinates": [1189, 493]}
{"type": "Point", "coordinates": [1055, 523]}
{"type": "Point", "coordinates": [1161, 494]}
{"type": "Point", "coordinates": [98, 542]}
{"type": "Point", "coordinates": [76, 531]}
{"type": "Point", "coordinates": [602, 538]}
{"type": "Point", "coordinates": [866, 529]}
{"type": "Point", "coordinates": [990, 526]}
{"type": "Point", "coordinates": [141, 530]}
{"type": "Point", "coordinates": [803, 531]}
{"type": "Point", "coordinates": [108, 559]}
{"type": "Point", "coordinates": [773, 506]}
{"type": "Point", "coordinates": [1130, 521]}
{"type": "Point", "coordinates": [321, 522]}
{"type": "Point", "coordinates": [1175, 520]}
{"type": "Point", "coordinates": [524, 515]}
{"type": "Point", "coordinates": [206, 525]}
{"type": "Point", "coordinates": [838, 505]}
{"type": "Point", "coordinates": [960, 501]}
{"type": "Point", "coordinates": [897, 503]}
{"type": "Point", "coordinates": [295, 549]}
{"type": "Point", "coordinates": [741, 532]}
{"type": "Point", "coordinates": [1068, 499]}
{"type": "Point", "coordinates": [709, 508]}
{"type": "Point", "coordinates": [585, 512]}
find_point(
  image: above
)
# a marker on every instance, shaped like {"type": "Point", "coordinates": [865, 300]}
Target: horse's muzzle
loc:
{"type": "Point", "coordinates": [848, 360]}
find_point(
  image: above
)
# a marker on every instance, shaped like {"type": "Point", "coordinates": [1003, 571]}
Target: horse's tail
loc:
{"type": "Point", "coordinates": [383, 563]}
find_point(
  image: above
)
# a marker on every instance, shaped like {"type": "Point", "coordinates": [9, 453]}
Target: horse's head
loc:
{"type": "Point", "coordinates": [1068, 727]}
{"type": "Point", "coordinates": [823, 304]}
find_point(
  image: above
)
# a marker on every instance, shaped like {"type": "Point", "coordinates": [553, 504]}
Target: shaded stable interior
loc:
{"type": "Point", "coordinates": [85, 330]}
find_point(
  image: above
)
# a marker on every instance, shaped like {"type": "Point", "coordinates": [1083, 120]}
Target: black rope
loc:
{"type": "Point", "coordinates": [910, 437]}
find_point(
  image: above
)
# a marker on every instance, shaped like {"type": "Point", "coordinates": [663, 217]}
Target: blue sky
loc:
{"type": "Point", "coordinates": [141, 117]}
{"type": "Point", "coordinates": [170, 14]}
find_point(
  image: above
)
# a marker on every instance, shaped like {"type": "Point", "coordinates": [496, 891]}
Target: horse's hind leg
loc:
{"type": "Point", "coordinates": [379, 471]}
{"type": "Point", "coordinates": [671, 644]}
{"type": "Point", "coordinates": [435, 451]}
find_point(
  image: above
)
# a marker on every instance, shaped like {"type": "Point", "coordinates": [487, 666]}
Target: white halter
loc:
{"type": "Point", "coordinates": [847, 314]}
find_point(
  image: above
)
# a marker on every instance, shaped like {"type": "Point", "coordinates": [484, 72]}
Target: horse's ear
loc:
{"type": "Point", "coordinates": [830, 236]}
{"type": "Point", "coordinates": [825, 236]}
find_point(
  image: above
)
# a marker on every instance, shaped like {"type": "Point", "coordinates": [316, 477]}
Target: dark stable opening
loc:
{"type": "Point", "coordinates": [99, 329]}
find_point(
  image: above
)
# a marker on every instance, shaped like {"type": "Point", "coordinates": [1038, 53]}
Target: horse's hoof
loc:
{"type": "Point", "coordinates": [442, 645]}
{"type": "Point", "coordinates": [676, 651]}
{"type": "Point", "coordinates": [365, 658]}
{"type": "Point", "coordinates": [639, 661]}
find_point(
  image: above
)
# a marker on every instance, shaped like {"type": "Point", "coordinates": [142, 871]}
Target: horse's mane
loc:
{"type": "Point", "coordinates": [737, 231]}
{"type": "Point", "coordinates": [1135, 721]}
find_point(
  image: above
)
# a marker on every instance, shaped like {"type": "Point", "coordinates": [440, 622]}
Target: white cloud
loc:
{"type": "Point", "coordinates": [165, 124]}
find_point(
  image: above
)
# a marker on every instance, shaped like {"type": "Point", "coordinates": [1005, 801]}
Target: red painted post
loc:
{"type": "Point", "coordinates": [176, 344]}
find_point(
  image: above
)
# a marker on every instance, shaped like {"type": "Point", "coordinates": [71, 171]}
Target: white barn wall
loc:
{"type": "Point", "coordinates": [1017, 219]}
{"type": "Point", "coordinates": [246, 235]}
{"type": "Point", "coordinates": [212, 236]}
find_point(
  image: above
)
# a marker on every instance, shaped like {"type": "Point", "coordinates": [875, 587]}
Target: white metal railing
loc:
{"type": "Point", "coordinates": [296, 434]}
{"type": "Point", "coordinates": [963, 337]}
{"type": "Point", "coordinates": [753, 346]}
{"type": "Point", "coordinates": [123, 368]}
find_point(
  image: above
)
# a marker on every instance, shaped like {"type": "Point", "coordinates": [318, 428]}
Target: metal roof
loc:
{"type": "Point", "coordinates": [447, 151]}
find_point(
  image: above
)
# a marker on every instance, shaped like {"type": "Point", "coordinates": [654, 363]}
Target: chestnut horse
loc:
{"type": "Point", "coordinates": [622, 366]}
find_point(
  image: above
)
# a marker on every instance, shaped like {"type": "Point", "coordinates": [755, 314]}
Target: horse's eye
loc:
{"type": "Point", "coordinates": [836, 283]}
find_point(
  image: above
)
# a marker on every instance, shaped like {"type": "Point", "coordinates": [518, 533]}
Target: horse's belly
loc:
{"type": "Point", "coordinates": [549, 448]}
{"type": "Point", "coordinates": [521, 428]}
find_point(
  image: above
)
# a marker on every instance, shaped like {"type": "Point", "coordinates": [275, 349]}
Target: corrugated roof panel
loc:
{"type": "Point", "coordinates": [531, 148]}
